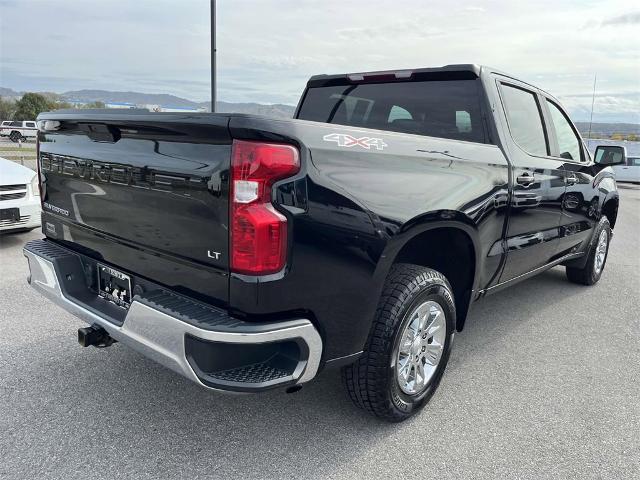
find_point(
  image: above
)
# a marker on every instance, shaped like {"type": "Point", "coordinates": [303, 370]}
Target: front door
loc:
{"type": "Point", "coordinates": [582, 200]}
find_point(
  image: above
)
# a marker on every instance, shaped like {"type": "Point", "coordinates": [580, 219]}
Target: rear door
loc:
{"type": "Point", "coordinates": [538, 182]}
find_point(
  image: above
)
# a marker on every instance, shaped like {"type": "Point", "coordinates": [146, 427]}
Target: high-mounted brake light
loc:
{"type": "Point", "coordinates": [380, 76]}
{"type": "Point", "coordinates": [258, 233]}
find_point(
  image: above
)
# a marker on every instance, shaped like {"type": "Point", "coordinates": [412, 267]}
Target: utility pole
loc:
{"type": "Point", "coordinates": [593, 99]}
{"type": "Point", "coordinates": [213, 55]}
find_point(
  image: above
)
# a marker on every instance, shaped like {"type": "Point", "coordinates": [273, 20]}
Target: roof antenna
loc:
{"type": "Point", "coordinates": [593, 99]}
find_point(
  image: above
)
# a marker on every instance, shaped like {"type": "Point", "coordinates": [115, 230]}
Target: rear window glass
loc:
{"type": "Point", "coordinates": [446, 109]}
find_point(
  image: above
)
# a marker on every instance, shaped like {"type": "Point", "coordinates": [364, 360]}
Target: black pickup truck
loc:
{"type": "Point", "coordinates": [249, 253]}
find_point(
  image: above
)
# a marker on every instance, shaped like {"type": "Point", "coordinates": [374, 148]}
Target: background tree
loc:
{"type": "Point", "coordinates": [30, 106]}
{"type": "Point", "coordinates": [7, 109]}
{"type": "Point", "coordinates": [96, 104]}
{"type": "Point", "coordinates": [57, 100]}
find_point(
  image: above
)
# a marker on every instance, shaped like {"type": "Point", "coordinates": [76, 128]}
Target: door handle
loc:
{"type": "Point", "coordinates": [572, 179]}
{"type": "Point", "coordinates": [526, 179]}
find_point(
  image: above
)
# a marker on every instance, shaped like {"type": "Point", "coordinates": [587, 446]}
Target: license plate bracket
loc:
{"type": "Point", "coordinates": [12, 214]}
{"type": "Point", "coordinates": [114, 286]}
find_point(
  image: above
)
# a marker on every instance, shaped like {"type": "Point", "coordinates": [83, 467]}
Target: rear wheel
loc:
{"type": "Point", "coordinates": [596, 258]}
{"type": "Point", "coordinates": [408, 346]}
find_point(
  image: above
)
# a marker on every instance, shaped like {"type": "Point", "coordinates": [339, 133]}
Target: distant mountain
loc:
{"type": "Point", "coordinates": [165, 100]}
{"type": "Point", "coordinates": [136, 98]}
{"type": "Point", "coordinates": [604, 130]}
{"type": "Point", "coordinates": [277, 110]}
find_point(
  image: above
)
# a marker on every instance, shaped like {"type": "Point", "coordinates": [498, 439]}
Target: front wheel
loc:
{"type": "Point", "coordinates": [596, 257]}
{"type": "Point", "coordinates": [408, 346]}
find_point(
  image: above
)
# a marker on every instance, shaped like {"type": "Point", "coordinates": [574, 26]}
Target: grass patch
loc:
{"type": "Point", "coordinates": [18, 149]}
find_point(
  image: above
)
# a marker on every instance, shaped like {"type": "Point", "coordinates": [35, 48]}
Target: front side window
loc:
{"type": "Point", "coordinates": [634, 161]}
{"type": "Point", "coordinates": [398, 113]}
{"type": "Point", "coordinates": [525, 120]}
{"type": "Point", "coordinates": [568, 141]}
{"type": "Point", "coordinates": [463, 121]}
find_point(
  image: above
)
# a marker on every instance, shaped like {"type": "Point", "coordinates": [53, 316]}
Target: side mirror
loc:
{"type": "Point", "coordinates": [609, 155]}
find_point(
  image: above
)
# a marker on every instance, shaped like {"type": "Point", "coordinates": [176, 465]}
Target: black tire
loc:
{"type": "Point", "coordinates": [15, 136]}
{"type": "Point", "coordinates": [589, 274]}
{"type": "Point", "coordinates": [371, 381]}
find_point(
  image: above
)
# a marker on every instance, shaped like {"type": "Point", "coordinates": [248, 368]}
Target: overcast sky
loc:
{"type": "Point", "coordinates": [267, 49]}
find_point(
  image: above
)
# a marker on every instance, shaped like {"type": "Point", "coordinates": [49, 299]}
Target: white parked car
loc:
{"type": "Point", "coordinates": [630, 172]}
{"type": "Point", "coordinates": [19, 130]}
{"type": "Point", "coordinates": [19, 197]}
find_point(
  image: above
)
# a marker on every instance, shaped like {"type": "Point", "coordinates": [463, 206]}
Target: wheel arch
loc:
{"type": "Point", "coordinates": [453, 247]}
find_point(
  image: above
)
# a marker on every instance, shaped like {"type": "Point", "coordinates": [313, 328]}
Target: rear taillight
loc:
{"type": "Point", "coordinates": [258, 232]}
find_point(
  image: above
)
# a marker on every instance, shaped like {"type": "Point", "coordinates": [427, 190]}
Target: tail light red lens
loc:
{"type": "Point", "coordinates": [258, 233]}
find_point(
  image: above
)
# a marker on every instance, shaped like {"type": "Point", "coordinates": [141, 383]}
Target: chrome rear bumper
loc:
{"type": "Point", "coordinates": [162, 337]}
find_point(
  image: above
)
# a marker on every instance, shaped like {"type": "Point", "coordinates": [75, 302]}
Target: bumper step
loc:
{"type": "Point", "coordinates": [194, 313]}
{"type": "Point", "coordinates": [256, 373]}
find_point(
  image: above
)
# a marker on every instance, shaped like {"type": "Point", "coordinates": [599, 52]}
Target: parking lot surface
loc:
{"type": "Point", "coordinates": [544, 382]}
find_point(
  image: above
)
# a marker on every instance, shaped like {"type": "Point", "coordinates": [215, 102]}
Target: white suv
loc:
{"type": "Point", "coordinates": [19, 130]}
{"type": "Point", "coordinates": [19, 197]}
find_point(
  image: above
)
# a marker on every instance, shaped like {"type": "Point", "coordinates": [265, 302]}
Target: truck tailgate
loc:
{"type": "Point", "coordinates": [149, 192]}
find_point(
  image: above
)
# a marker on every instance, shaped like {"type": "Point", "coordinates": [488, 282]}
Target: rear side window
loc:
{"type": "Point", "coordinates": [31, 124]}
{"type": "Point", "coordinates": [525, 120]}
{"type": "Point", "coordinates": [568, 141]}
{"type": "Point", "coordinates": [436, 108]}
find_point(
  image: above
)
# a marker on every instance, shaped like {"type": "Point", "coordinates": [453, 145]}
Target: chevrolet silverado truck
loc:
{"type": "Point", "coordinates": [248, 253]}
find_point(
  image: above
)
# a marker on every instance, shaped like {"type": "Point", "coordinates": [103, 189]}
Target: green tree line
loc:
{"type": "Point", "coordinates": [32, 104]}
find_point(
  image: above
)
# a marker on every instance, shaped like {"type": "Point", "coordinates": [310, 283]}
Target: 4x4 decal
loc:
{"type": "Point", "coordinates": [344, 140]}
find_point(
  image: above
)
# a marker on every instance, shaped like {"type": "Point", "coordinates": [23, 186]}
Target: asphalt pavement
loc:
{"type": "Point", "coordinates": [544, 382]}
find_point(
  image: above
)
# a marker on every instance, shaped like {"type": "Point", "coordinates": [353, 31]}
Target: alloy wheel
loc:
{"type": "Point", "coordinates": [420, 347]}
